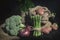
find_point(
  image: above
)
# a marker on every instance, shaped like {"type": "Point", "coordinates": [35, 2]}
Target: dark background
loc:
{"type": "Point", "coordinates": [10, 7]}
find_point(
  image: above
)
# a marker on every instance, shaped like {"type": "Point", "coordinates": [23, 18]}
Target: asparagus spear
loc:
{"type": "Point", "coordinates": [37, 24]}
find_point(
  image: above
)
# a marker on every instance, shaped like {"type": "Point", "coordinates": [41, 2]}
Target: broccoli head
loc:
{"type": "Point", "coordinates": [13, 24]}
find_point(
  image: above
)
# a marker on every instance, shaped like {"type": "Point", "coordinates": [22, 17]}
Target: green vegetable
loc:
{"type": "Point", "coordinates": [14, 24]}
{"type": "Point", "coordinates": [26, 4]}
{"type": "Point", "coordinates": [37, 24]}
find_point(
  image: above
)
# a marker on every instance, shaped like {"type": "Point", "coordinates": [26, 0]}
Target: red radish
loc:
{"type": "Point", "coordinates": [46, 30]}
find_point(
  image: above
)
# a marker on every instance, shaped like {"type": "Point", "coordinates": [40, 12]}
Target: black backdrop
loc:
{"type": "Point", "coordinates": [10, 7]}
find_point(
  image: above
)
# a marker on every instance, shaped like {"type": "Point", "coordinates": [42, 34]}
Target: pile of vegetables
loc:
{"type": "Point", "coordinates": [36, 25]}
{"type": "Point", "coordinates": [13, 24]}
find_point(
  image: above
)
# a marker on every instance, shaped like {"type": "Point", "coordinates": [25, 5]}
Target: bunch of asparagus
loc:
{"type": "Point", "coordinates": [36, 25]}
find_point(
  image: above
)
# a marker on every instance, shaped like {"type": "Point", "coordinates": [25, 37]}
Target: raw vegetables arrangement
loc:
{"type": "Point", "coordinates": [14, 24]}
{"type": "Point", "coordinates": [33, 21]}
{"type": "Point", "coordinates": [36, 25]}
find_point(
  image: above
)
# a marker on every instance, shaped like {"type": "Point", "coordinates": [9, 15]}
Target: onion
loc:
{"type": "Point", "coordinates": [55, 27]}
{"type": "Point", "coordinates": [25, 32]}
{"type": "Point", "coordinates": [40, 11]}
{"type": "Point", "coordinates": [29, 28]}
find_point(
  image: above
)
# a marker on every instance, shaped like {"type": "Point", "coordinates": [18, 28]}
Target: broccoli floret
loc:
{"type": "Point", "coordinates": [13, 24]}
